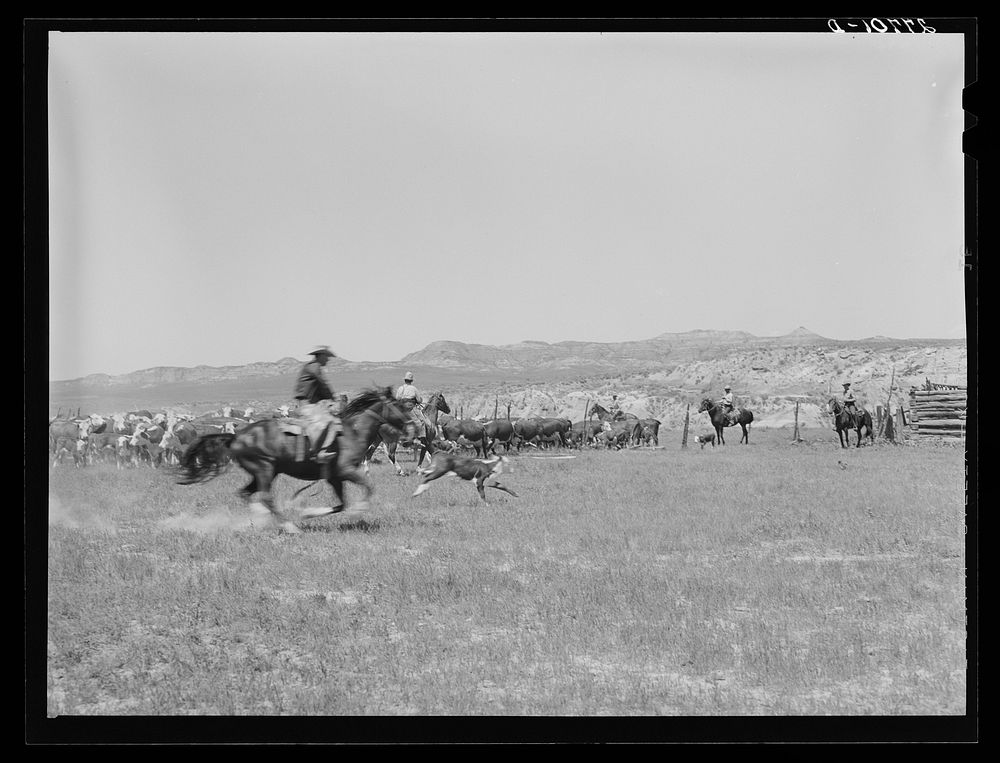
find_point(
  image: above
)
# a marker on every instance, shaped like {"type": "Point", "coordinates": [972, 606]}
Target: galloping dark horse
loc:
{"type": "Point", "coordinates": [720, 420]}
{"type": "Point", "coordinates": [423, 442]}
{"type": "Point", "coordinates": [265, 449]}
{"type": "Point", "coordinates": [845, 422]}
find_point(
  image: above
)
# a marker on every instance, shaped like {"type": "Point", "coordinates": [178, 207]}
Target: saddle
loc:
{"type": "Point", "coordinates": [857, 416]}
{"type": "Point", "coordinates": [310, 436]}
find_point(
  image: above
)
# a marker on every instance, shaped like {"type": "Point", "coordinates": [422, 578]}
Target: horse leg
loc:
{"type": "Point", "coordinates": [426, 449]}
{"type": "Point", "coordinates": [263, 473]}
{"type": "Point", "coordinates": [719, 436]}
{"type": "Point", "coordinates": [390, 450]}
{"type": "Point", "coordinates": [357, 476]}
{"type": "Point", "coordinates": [337, 500]}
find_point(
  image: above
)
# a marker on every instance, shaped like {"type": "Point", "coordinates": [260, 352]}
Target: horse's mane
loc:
{"type": "Point", "coordinates": [364, 401]}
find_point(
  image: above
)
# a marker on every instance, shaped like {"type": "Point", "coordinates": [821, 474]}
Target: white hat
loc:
{"type": "Point", "coordinates": [323, 350]}
{"type": "Point", "coordinates": [408, 377]}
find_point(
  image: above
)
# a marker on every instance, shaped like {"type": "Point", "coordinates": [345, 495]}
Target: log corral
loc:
{"type": "Point", "coordinates": [938, 411]}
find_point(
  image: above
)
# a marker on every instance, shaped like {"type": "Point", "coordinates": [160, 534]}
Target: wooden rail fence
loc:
{"type": "Point", "coordinates": [938, 411]}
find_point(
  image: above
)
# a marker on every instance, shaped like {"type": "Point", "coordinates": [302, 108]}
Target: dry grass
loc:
{"type": "Point", "coordinates": [763, 580]}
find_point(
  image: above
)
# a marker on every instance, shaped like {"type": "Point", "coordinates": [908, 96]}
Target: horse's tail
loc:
{"type": "Point", "coordinates": [205, 458]}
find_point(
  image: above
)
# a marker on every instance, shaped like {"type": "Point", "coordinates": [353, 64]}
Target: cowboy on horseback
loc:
{"type": "Point", "coordinates": [615, 409]}
{"type": "Point", "coordinates": [411, 401]}
{"type": "Point", "coordinates": [850, 401]}
{"type": "Point", "coordinates": [728, 405]}
{"type": "Point", "coordinates": [316, 405]}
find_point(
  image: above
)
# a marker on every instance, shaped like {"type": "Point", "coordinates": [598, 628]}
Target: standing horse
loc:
{"type": "Point", "coordinates": [844, 422]}
{"type": "Point", "coordinates": [266, 449]}
{"type": "Point", "coordinates": [423, 442]}
{"type": "Point", "coordinates": [720, 420]}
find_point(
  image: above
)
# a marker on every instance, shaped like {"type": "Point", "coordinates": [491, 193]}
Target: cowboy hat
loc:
{"type": "Point", "coordinates": [727, 387]}
{"type": "Point", "coordinates": [847, 384]}
{"type": "Point", "coordinates": [323, 350]}
{"type": "Point", "coordinates": [408, 377]}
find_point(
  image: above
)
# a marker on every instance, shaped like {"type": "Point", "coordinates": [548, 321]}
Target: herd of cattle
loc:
{"type": "Point", "coordinates": [134, 438]}
{"type": "Point", "coordinates": [155, 439]}
{"type": "Point", "coordinates": [543, 432]}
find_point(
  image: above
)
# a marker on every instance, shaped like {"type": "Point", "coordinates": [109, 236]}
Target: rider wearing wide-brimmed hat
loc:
{"type": "Point", "coordinates": [316, 404]}
{"type": "Point", "coordinates": [615, 409]}
{"type": "Point", "coordinates": [850, 401]}
{"type": "Point", "coordinates": [412, 401]}
{"type": "Point", "coordinates": [728, 403]}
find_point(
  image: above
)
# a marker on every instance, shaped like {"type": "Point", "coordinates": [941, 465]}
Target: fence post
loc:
{"type": "Point", "coordinates": [890, 433]}
{"type": "Point", "coordinates": [496, 407]}
{"type": "Point", "coordinates": [795, 436]}
{"type": "Point", "coordinates": [902, 423]}
{"type": "Point", "coordinates": [888, 400]}
{"type": "Point", "coordinates": [687, 419]}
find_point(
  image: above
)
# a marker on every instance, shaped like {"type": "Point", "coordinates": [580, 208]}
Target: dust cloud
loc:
{"type": "Point", "coordinates": [220, 520]}
{"type": "Point", "coordinates": [77, 516]}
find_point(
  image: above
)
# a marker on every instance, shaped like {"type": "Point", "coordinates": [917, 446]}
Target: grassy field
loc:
{"type": "Point", "coordinates": [769, 580]}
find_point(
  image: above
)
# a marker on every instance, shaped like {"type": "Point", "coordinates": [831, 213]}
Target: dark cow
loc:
{"type": "Point", "coordinates": [586, 431]}
{"type": "Point", "coordinates": [452, 429]}
{"type": "Point", "coordinates": [499, 431]}
{"type": "Point", "coordinates": [555, 430]}
{"type": "Point", "coordinates": [536, 431]}
{"type": "Point", "coordinates": [187, 433]}
{"type": "Point", "coordinates": [649, 432]}
{"type": "Point", "coordinates": [526, 432]}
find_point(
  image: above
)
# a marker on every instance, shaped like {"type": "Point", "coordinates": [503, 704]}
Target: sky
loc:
{"type": "Point", "coordinates": [222, 199]}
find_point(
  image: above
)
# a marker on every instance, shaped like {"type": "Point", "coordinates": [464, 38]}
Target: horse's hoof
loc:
{"type": "Point", "coordinates": [317, 511]}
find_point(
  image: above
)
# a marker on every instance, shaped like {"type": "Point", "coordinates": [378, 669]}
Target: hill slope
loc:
{"type": "Point", "coordinates": [657, 377]}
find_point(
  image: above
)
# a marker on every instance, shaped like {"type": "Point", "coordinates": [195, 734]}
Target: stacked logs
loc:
{"type": "Point", "coordinates": [938, 412]}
